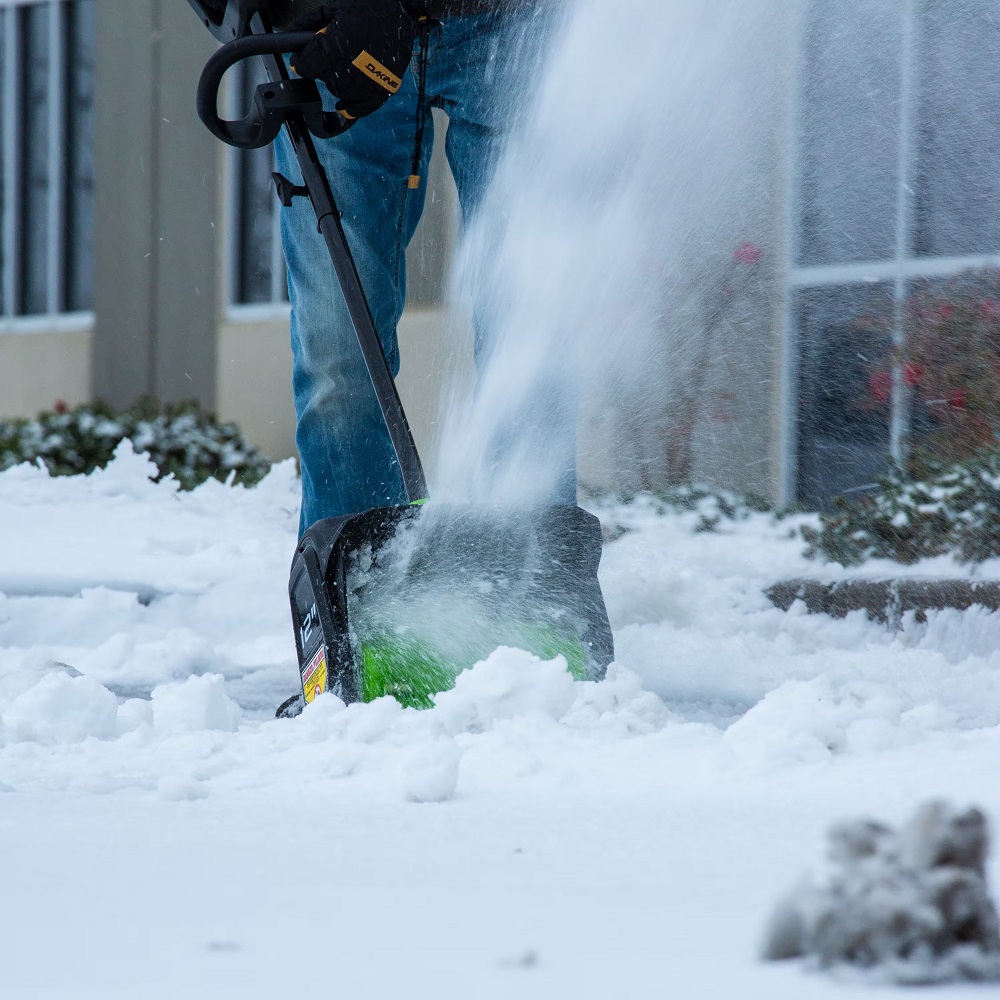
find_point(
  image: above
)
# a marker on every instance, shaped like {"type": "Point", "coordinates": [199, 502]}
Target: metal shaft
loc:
{"type": "Point", "coordinates": [328, 218]}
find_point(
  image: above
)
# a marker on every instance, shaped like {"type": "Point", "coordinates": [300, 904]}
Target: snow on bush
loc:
{"type": "Point", "coordinates": [180, 438]}
{"type": "Point", "coordinates": [908, 906]}
{"type": "Point", "coordinates": [712, 508]}
{"type": "Point", "coordinates": [948, 509]}
{"type": "Point", "coordinates": [195, 704]}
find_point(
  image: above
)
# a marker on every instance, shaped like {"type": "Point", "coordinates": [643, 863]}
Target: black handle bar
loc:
{"type": "Point", "coordinates": [274, 103]}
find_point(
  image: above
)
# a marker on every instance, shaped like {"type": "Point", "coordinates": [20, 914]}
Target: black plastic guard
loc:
{"type": "Point", "coordinates": [565, 552]}
{"type": "Point", "coordinates": [230, 20]}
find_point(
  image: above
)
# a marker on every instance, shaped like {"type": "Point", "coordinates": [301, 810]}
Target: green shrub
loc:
{"type": "Point", "coordinates": [945, 508]}
{"type": "Point", "coordinates": [180, 438]}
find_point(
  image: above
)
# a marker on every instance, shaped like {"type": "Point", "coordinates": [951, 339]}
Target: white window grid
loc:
{"type": "Point", "coordinates": [12, 222]}
{"type": "Point", "coordinates": [900, 270]}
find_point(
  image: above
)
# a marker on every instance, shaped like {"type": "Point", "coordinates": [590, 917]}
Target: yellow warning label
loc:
{"type": "Point", "coordinates": [374, 70]}
{"type": "Point", "coordinates": [314, 676]}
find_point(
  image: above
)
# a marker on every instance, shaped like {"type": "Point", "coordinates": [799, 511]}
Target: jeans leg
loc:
{"type": "Point", "coordinates": [346, 457]}
{"type": "Point", "coordinates": [486, 70]}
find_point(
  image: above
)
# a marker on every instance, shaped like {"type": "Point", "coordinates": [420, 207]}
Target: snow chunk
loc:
{"type": "Point", "coordinates": [909, 906]}
{"type": "Point", "coordinates": [195, 704]}
{"type": "Point", "coordinates": [618, 705]}
{"type": "Point", "coordinates": [431, 773]}
{"type": "Point", "coordinates": [174, 788]}
{"type": "Point", "coordinates": [60, 709]}
{"type": "Point", "coordinates": [133, 713]}
{"type": "Point", "coordinates": [507, 684]}
{"type": "Point", "coordinates": [811, 721]}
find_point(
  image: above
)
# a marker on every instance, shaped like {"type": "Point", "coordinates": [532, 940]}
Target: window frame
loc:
{"type": "Point", "coordinates": [901, 270]}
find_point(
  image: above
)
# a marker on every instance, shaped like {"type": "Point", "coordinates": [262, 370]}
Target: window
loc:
{"type": "Point", "coordinates": [896, 182]}
{"type": "Point", "coordinates": [257, 266]}
{"type": "Point", "coordinates": [46, 156]}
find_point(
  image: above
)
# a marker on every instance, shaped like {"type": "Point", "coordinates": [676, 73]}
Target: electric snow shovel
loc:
{"type": "Point", "coordinates": [399, 600]}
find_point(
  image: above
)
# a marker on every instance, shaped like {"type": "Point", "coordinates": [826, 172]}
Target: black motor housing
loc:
{"type": "Point", "coordinates": [542, 556]}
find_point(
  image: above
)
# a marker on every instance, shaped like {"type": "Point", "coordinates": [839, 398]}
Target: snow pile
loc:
{"type": "Point", "coordinates": [910, 906]}
{"type": "Point", "coordinates": [55, 705]}
{"type": "Point", "coordinates": [509, 684]}
{"type": "Point", "coordinates": [812, 721]}
{"type": "Point", "coordinates": [197, 703]}
{"type": "Point", "coordinates": [144, 648]}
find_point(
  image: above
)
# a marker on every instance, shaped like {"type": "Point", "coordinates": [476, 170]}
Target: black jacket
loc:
{"type": "Point", "coordinates": [284, 11]}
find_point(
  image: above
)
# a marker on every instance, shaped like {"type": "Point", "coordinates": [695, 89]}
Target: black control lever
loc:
{"type": "Point", "coordinates": [274, 102]}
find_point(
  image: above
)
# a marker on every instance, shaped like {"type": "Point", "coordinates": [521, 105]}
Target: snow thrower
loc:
{"type": "Point", "coordinates": [398, 600]}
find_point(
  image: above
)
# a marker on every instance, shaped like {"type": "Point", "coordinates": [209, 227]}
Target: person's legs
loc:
{"type": "Point", "coordinates": [484, 73]}
{"type": "Point", "coordinates": [347, 461]}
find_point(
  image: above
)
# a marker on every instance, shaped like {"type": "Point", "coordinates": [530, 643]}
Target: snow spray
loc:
{"type": "Point", "coordinates": [620, 179]}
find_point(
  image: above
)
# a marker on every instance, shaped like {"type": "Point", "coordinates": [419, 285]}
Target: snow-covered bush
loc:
{"type": "Point", "coordinates": [180, 438]}
{"type": "Point", "coordinates": [950, 361]}
{"type": "Point", "coordinates": [948, 509]}
{"type": "Point", "coordinates": [908, 906]}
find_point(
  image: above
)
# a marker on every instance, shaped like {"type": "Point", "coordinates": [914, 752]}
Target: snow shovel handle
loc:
{"type": "Point", "coordinates": [274, 103]}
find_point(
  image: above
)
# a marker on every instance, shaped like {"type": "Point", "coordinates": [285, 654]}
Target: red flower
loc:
{"type": "Point", "coordinates": [946, 311]}
{"type": "Point", "coordinates": [959, 399]}
{"type": "Point", "coordinates": [990, 310]}
{"type": "Point", "coordinates": [912, 373]}
{"type": "Point", "coordinates": [880, 385]}
{"type": "Point", "coordinates": [748, 253]}
{"type": "Point", "coordinates": [61, 406]}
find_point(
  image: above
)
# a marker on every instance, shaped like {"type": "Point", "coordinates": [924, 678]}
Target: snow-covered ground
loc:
{"type": "Point", "coordinates": [161, 836]}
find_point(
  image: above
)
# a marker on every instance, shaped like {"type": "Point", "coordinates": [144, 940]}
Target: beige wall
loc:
{"type": "Point", "coordinates": [39, 365]}
{"type": "Point", "coordinates": [254, 377]}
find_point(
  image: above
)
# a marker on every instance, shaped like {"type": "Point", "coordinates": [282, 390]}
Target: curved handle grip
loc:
{"type": "Point", "coordinates": [274, 102]}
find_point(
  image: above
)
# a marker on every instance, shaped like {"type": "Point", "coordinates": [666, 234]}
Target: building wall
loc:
{"type": "Point", "coordinates": [158, 208]}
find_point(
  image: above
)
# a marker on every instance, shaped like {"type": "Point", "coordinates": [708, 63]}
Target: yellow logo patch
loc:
{"type": "Point", "coordinates": [374, 70]}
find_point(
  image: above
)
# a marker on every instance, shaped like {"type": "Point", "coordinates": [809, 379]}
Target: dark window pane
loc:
{"type": "Point", "coordinates": [849, 132]}
{"type": "Point", "coordinates": [35, 166]}
{"type": "Point", "coordinates": [257, 203]}
{"type": "Point", "coordinates": [79, 152]}
{"type": "Point", "coordinates": [844, 389]}
{"type": "Point", "coordinates": [5, 251]}
{"type": "Point", "coordinates": [958, 129]}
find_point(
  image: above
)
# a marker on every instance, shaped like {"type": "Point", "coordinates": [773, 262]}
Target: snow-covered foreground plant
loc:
{"type": "Point", "coordinates": [909, 906]}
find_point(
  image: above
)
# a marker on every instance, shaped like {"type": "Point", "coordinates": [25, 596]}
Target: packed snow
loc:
{"type": "Point", "coordinates": [163, 836]}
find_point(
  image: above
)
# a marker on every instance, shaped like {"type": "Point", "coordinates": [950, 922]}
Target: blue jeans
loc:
{"type": "Point", "coordinates": [479, 66]}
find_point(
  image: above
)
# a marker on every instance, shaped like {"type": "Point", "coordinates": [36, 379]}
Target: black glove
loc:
{"type": "Point", "coordinates": [361, 51]}
{"type": "Point", "coordinates": [427, 10]}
